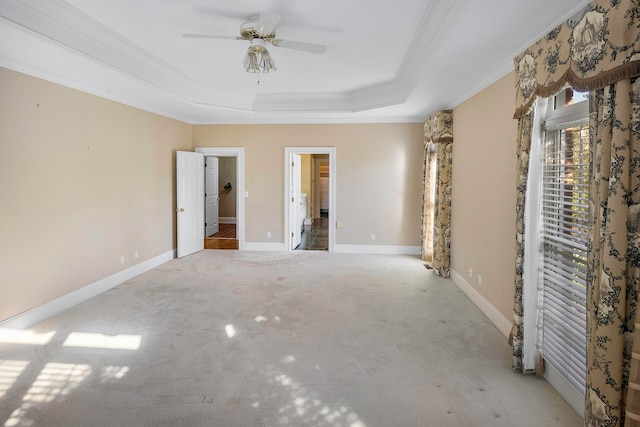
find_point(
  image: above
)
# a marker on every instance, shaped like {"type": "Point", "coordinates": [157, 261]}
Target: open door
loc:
{"type": "Point", "coordinates": [296, 221]}
{"type": "Point", "coordinates": [190, 202]}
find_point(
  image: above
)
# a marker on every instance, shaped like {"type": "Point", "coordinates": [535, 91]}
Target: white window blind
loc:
{"type": "Point", "coordinates": [565, 209]}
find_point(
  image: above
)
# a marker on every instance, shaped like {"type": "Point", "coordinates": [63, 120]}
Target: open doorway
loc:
{"type": "Point", "coordinates": [314, 203]}
{"type": "Point", "coordinates": [220, 203]}
{"type": "Point", "coordinates": [310, 198]}
{"type": "Point", "coordinates": [225, 196]}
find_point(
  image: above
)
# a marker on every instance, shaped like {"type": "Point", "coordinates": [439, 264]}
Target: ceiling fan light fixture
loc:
{"type": "Point", "coordinates": [258, 58]}
{"type": "Point", "coordinates": [266, 62]}
{"type": "Point", "coordinates": [251, 62]}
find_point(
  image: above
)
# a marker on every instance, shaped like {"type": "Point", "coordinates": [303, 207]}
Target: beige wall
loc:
{"type": "Point", "coordinates": [84, 181]}
{"type": "Point", "coordinates": [483, 198]}
{"type": "Point", "coordinates": [378, 176]}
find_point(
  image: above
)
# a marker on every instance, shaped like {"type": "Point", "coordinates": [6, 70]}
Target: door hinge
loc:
{"type": "Point", "coordinates": [205, 224]}
{"type": "Point", "coordinates": [292, 234]}
{"type": "Point", "coordinates": [293, 164]}
{"type": "Point", "coordinates": [292, 199]}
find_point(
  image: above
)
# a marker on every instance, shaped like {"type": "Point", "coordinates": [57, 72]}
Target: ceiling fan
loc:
{"type": "Point", "coordinates": [260, 30]}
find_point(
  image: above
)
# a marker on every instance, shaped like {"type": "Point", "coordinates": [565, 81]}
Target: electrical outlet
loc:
{"type": "Point", "coordinates": [121, 259]}
{"type": "Point", "coordinates": [268, 234]}
{"type": "Point", "coordinates": [470, 272]}
{"type": "Point", "coordinates": [338, 224]}
{"type": "Point", "coordinates": [479, 280]}
{"type": "Point", "coordinates": [373, 236]}
{"type": "Point", "coordinates": [135, 254]}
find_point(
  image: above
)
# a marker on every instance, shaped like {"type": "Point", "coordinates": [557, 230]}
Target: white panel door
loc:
{"type": "Point", "coordinates": [190, 202]}
{"type": "Point", "coordinates": [294, 211]}
{"type": "Point", "coordinates": [212, 196]}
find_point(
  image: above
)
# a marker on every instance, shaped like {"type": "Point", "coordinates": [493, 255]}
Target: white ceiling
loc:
{"type": "Point", "coordinates": [386, 61]}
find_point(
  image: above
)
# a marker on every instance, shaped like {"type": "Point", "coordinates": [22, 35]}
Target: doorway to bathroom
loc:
{"type": "Point", "coordinates": [310, 198]}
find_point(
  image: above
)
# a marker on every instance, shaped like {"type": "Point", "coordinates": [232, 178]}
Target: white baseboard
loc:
{"type": "Point", "coordinates": [43, 312]}
{"type": "Point", "coordinates": [378, 249]}
{"type": "Point", "coordinates": [498, 319]}
{"type": "Point", "coordinates": [263, 247]}
{"type": "Point", "coordinates": [227, 220]}
{"type": "Point", "coordinates": [346, 249]}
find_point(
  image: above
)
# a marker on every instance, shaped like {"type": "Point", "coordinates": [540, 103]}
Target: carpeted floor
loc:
{"type": "Point", "coordinates": [224, 338]}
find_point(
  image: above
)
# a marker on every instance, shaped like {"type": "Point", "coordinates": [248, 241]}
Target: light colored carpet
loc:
{"type": "Point", "coordinates": [273, 339]}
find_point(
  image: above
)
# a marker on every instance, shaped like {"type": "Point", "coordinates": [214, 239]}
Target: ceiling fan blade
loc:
{"type": "Point", "coordinates": [267, 23]}
{"type": "Point", "coordinates": [305, 47]}
{"type": "Point", "coordinates": [206, 36]}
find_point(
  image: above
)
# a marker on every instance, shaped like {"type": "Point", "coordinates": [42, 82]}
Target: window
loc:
{"type": "Point", "coordinates": [565, 210]}
{"type": "Point", "coordinates": [564, 215]}
{"type": "Point", "coordinates": [568, 97]}
{"type": "Point", "coordinates": [431, 167]}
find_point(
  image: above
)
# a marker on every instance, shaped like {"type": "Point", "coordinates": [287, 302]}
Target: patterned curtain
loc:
{"type": "Point", "coordinates": [522, 174]}
{"type": "Point", "coordinates": [436, 212]}
{"type": "Point", "coordinates": [598, 50]}
{"type": "Point", "coordinates": [614, 258]}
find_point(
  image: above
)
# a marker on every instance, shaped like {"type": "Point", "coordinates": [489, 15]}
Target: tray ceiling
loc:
{"type": "Point", "coordinates": [385, 61]}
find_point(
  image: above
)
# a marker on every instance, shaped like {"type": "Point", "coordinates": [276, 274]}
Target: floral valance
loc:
{"type": "Point", "coordinates": [439, 127]}
{"type": "Point", "coordinates": [585, 52]}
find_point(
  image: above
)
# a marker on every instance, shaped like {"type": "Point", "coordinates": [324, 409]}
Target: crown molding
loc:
{"type": "Point", "coordinates": [417, 55]}
{"type": "Point", "coordinates": [381, 95]}
{"type": "Point", "coordinates": [34, 55]}
{"type": "Point", "coordinates": [301, 102]}
{"type": "Point", "coordinates": [64, 24]}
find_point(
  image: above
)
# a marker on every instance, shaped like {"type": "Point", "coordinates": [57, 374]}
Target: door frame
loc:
{"type": "Point", "coordinates": [238, 153]}
{"type": "Point", "coordinates": [331, 151]}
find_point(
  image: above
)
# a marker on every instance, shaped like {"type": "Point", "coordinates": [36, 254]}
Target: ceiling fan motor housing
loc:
{"type": "Point", "coordinates": [249, 32]}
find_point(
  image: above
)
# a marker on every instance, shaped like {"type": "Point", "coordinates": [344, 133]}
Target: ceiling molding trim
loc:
{"type": "Point", "coordinates": [381, 95]}
{"type": "Point", "coordinates": [307, 118]}
{"type": "Point", "coordinates": [223, 99]}
{"type": "Point", "coordinates": [434, 18]}
{"type": "Point", "coordinates": [62, 23]}
{"type": "Point", "coordinates": [302, 102]}
{"type": "Point", "coordinates": [61, 79]}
